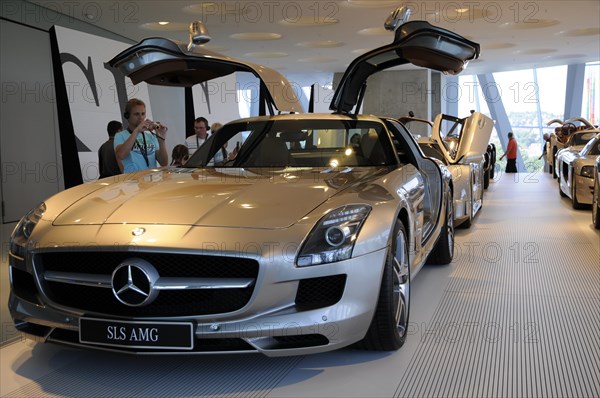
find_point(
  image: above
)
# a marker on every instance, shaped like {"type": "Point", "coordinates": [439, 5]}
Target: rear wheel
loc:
{"type": "Point", "coordinates": [443, 252]}
{"type": "Point", "coordinates": [388, 328]}
{"type": "Point", "coordinates": [486, 177]}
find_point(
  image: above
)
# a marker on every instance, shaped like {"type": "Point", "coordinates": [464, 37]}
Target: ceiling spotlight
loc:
{"type": "Point", "coordinates": [396, 18]}
{"type": "Point", "coordinates": [163, 23]}
{"type": "Point", "coordinates": [198, 34]}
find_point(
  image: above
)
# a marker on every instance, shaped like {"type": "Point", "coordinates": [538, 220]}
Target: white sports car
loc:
{"type": "Point", "coordinates": [561, 138]}
{"type": "Point", "coordinates": [306, 242]}
{"type": "Point", "coordinates": [576, 172]}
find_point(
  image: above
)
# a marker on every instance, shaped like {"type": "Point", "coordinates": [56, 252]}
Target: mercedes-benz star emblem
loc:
{"type": "Point", "coordinates": [133, 282]}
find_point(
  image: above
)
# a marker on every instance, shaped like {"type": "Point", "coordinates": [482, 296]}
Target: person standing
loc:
{"type": "Point", "coordinates": [511, 154]}
{"type": "Point", "coordinates": [545, 146]}
{"type": "Point", "coordinates": [143, 143]}
{"type": "Point", "coordinates": [201, 129]}
{"type": "Point", "coordinates": [107, 159]}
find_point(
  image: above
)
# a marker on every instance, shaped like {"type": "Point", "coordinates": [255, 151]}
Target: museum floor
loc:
{"type": "Point", "coordinates": [516, 314]}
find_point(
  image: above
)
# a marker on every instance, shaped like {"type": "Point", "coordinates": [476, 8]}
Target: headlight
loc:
{"type": "Point", "coordinates": [587, 171]}
{"type": "Point", "coordinates": [23, 230]}
{"type": "Point", "coordinates": [333, 238]}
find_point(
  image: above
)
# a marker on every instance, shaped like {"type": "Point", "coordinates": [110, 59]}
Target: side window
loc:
{"type": "Point", "coordinates": [229, 149]}
{"type": "Point", "coordinates": [399, 135]}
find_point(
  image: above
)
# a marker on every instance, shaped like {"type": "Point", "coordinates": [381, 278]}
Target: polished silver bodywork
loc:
{"type": "Point", "coordinates": [467, 180]}
{"type": "Point", "coordinates": [463, 153]}
{"type": "Point", "coordinates": [287, 249]}
{"type": "Point", "coordinates": [575, 178]}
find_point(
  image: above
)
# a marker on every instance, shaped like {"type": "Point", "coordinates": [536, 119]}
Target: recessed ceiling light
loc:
{"type": "Point", "coordinates": [581, 32]}
{"type": "Point", "coordinates": [309, 21]}
{"type": "Point", "coordinates": [171, 26]}
{"type": "Point", "coordinates": [267, 54]}
{"type": "Point", "coordinates": [163, 23]}
{"type": "Point", "coordinates": [371, 3]}
{"type": "Point", "coordinates": [538, 51]}
{"type": "Point", "coordinates": [317, 60]}
{"type": "Point", "coordinates": [569, 56]}
{"type": "Point", "coordinates": [204, 9]}
{"type": "Point", "coordinates": [498, 46]}
{"type": "Point", "coordinates": [541, 23]}
{"type": "Point", "coordinates": [256, 36]}
{"type": "Point", "coordinates": [321, 44]}
{"type": "Point", "coordinates": [375, 32]}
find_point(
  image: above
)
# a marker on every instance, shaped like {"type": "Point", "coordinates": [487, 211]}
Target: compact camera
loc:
{"type": "Point", "coordinates": [154, 126]}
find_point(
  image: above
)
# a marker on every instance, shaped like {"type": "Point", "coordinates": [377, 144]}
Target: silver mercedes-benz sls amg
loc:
{"type": "Point", "coordinates": [460, 143]}
{"type": "Point", "coordinates": [306, 242]}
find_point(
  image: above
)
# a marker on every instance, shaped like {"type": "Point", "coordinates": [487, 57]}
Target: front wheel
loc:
{"type": "Point", "coordinates": [576, 204]}
{"type": "Point", "coordinates": [443, 251]}
{"type": "Point", "coordinates": [562, 194]}
{"type": "Point", "coordinates": [389, 326]}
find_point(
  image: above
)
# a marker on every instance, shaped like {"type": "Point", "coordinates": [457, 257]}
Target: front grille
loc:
{"type": "Point", "coordinates": [167, 264]}
{"type": "Point", "coordinates": [320, 292]}
{"type": "Point", "coordinates": [169, 303]}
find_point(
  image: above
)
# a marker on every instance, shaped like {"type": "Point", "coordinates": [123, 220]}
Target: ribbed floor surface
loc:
{"type": "Point", "coordinates": [517, 314]}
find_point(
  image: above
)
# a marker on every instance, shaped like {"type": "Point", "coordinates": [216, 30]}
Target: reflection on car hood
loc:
{"type": "Point", "coordinates": [256, 198]}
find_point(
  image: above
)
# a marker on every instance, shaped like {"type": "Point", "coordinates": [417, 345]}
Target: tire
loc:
{"type": "Point", "coordinates": [486, 177]}
{"type": "Point", "coordinates": [554, 150]}
{"type": "Point", "coordinates": [562, 194]}
{"type": "Point", "coordinates": [576, 204]}
{"type": "Point", "coordinates": [443, 251]}
{"type": "Point", "coordinates": [596, 206]}
{"type": "Point", "coordinates": [389, 326]}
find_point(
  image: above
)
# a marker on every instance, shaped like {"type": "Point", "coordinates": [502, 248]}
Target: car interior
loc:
{"type": "Point", "coordinates": [327, 146]}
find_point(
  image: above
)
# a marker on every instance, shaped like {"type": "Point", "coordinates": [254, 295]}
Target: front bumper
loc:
{"type": "Point", "coordinates": [270, 323]}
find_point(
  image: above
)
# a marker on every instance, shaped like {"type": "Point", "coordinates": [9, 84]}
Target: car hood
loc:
{"type": "Point", "coordinates": [251, 198]}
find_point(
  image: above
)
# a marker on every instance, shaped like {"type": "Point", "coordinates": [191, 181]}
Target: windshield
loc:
{"type": "Point", "coordinates": [582, 138]}
{"type": "Point", "coordinates": [297, 143]}
{"type": "Point", "coordinates": [592, 148]}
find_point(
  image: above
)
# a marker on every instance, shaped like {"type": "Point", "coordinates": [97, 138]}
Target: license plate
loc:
{"type": "Point", "coordinates": [134, 334]}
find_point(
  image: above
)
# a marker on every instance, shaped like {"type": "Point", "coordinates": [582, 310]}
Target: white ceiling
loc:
{"type": "Point", "coordinates": [324, 36]}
